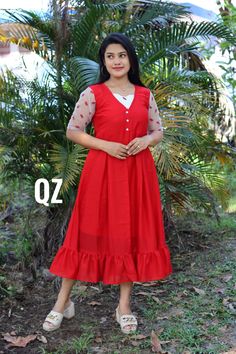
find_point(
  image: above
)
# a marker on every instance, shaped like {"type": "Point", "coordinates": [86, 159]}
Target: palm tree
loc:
{"type": "Point", "coordinates": [171, 65]}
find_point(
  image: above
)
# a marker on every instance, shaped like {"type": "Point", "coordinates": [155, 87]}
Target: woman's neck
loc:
{"type": "Point", "coordinates": [122, 82]}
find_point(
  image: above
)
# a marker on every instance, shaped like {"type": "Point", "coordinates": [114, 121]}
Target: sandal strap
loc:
{"type": "Point", "coordinates": [54, 317]}
{"type": "Point", "coordinates": [128, 319]}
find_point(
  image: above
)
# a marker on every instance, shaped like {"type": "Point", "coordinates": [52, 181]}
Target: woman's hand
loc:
{"type": "Point", "coordinates": [117, 150]}
{"type": "Point", "coordinates": [138, 144]}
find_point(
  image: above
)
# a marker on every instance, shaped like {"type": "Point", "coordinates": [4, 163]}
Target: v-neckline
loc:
{"type": "Point", "coordinates": [135, 94]}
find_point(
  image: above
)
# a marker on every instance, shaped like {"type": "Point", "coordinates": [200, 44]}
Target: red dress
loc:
{"type": "Point", "coordinates": [115, 233]}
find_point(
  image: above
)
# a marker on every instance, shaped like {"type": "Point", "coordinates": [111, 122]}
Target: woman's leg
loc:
{"type": "Point", "coordinates": [125, 294]}
{"type": "Point", "coordinates": [125, 297]}
{"type": "Point", "coordinates": [63, 300]}
{"type": "Point", "coordinates": [63, 297]}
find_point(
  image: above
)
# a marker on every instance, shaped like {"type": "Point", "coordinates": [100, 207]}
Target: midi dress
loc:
{"type": "Point", "coordinates": [115, 233]}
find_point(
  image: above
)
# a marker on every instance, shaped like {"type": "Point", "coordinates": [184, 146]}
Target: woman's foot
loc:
{"type": "Point", "coordinates": [124, 314]}
{"type": "Point", "coordinates": [55, 317]}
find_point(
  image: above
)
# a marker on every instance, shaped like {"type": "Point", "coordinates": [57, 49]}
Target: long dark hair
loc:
{"type": "Point", "coordinates": [120, 38]}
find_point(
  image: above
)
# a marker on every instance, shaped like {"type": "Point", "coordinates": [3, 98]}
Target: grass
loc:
{"type": "Point", "coordinates": [75, 346]}
{"type": "Point", "coordinates": [197, 326]}
{"type": "Point", "coordinates": [232, 205]}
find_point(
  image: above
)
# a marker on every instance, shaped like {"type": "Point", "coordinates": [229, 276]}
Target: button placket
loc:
{"type": "Point", "coordinates": [127, 120]}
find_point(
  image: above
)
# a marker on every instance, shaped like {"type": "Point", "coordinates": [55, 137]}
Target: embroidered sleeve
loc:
{"type": "Point", "coordinates": [154, 120]}
{"type": "Point", "coordinates": [83, 111]}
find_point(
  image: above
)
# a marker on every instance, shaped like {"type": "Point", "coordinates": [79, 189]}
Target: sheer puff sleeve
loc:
{"type": "Point", "coordinates": [154, 120]}
{"type": "Point", "coordinates": [83, 111]}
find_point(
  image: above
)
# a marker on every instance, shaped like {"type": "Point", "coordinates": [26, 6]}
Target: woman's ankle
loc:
{"type": "Point", "coordinates": [60, 305]}
{"type": "Point", "coordinates": [124, 302]}
{"type": "Point", "coordinates": [124, 307]}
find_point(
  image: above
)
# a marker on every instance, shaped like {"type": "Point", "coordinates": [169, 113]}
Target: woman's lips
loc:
{"type": "Point", "coordinates": [118, 68]}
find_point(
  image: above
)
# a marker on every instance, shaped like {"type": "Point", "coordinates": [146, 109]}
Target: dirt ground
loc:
{"type": "Point", "coordinates": [202, 278]}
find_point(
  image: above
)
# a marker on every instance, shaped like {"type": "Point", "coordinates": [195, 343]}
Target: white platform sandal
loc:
{"type": "Point", "coordinates": [54, 318]}
{"type": "Point", "coordinates": [126, 320]}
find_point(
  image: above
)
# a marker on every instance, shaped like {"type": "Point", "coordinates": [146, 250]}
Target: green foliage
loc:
{"type": "Point", "coordinates": [75, 346]}
{"type": "Point", "coordinates": [6, 289]}
{"type": "Point", "coordinates": [21, 225]}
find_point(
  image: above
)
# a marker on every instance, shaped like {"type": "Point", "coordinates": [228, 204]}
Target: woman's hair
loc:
{"type": "Point", "coordinates": [120, 38]}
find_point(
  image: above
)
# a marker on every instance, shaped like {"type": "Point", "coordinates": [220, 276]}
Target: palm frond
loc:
{"type": "Point", "coordinates": [168, 39]}
{"type": "Point", "coordinates": [84, 72]}
{"type": "Point", "coordinates": [68, 165]}
{"type": "Point", "coordinates": [85, 30]}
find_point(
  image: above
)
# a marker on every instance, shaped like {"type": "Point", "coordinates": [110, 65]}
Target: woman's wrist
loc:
{"type": "Point", "coordinates": [154, 138]}
{"type": "Point", "coordinates": [149, 139]}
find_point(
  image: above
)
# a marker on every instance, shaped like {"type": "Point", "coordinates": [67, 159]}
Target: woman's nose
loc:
{"type": "Point", "coordinates": [117, 60]}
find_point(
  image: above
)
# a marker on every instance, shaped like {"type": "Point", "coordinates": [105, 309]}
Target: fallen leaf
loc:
{"type": "Point", "coordinates": [95, 288]}
{"type": "Point", "coordinates": [9, 312]}
{"type": "Point", "coordinates": [164, 281]}
{"type": "Point", "coordinates": [156, 345]}
{"type": "Point", "coordinates": [82, 288]}
{"type": "Point", "coordinates": [199, 291]}
{"type": "Point", "coordinates": [227, 277]}
{"type": "Point", "coordinates": [232, 351]}
{"type": "Point", "coordinates": [19, 341]}
{"type": "Point", "coordinates": [98, 350]}
{"type": "Point", "coordinates": [103, 319]}
{"type": "Point", "coordinates": [139, 336]}
{"type": "Point", "coordinates": [226, 301]}
{"type": "Point", "coordinates": [220, 290]}
{"type": "Point", "coordinates": [155, 298]}
{"type": "Point", "coordinates": [185, 293]}
{"type": "Point", "coordinates": [223, 329]}
{"type": "Point", "coordinates": [165, 341]}
{"type": "Point", "coordinates": [42, 338]}
{"type": "Point", "coordinates": [203, 246]}
{"type": "Point", "coordinates": [160, 330]}
{"type": "Point", "coordinates": [145, 293]}
{"type": "Point", "coordinates": [142, 293]}
{"type": "Point", "coordinates": [94, 303]}
{"type": "Point", "coordinates": [98, 340]}
{"type": "Point", "coordinates": [232, 307]}
{"type": "Point", "coordinates": [176, 312]}
{"type": "Point", "coordinates": [153, 283]}
{"type": "Point", "coordinates": [134, 343]}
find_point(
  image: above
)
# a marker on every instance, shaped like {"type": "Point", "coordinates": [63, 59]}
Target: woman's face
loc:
{"type": "Point", "coordinates": [116, 60]}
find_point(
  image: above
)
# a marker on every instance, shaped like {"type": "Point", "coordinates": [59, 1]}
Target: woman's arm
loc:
{"type": "Point", "coordinates": [155, 137]}
{"type": "Point", "coordinates": [86, 140]}
{"type": "Point", "coordinates": [155, 128]}
{"type": "Point", "coordinates": [82, 115]}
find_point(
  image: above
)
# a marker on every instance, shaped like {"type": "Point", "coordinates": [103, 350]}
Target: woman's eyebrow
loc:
{"type": "Point", "coordinates": [114, 53]}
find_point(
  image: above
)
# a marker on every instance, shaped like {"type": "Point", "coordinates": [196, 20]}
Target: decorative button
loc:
{"type": "Point", "coordinates": [126, 111]}
{"type": "Point", "coordinates": [127, 129]}
{"type": "Point", "coordinates": [127, 120]}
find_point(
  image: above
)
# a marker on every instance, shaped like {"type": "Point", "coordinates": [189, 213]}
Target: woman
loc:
{"type": "Point", "coordinates": [115, 234]}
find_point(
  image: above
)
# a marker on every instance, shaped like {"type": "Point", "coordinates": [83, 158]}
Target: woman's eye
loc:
{"type": "Point", "coordinates": [122, 55]}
